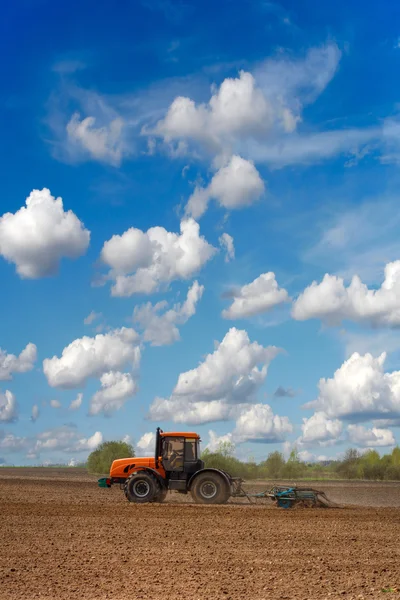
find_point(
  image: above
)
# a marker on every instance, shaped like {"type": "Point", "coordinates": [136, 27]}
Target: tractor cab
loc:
{"type": "Point", "coordinates": [179, 454]}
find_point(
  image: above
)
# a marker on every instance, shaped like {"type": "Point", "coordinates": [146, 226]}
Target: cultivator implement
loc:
{"type": "Point", "coordinates": [290, 496]}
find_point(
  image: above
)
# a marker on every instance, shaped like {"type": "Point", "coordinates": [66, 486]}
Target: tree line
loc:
{"type": "Point", "coordinates": [354, 465]}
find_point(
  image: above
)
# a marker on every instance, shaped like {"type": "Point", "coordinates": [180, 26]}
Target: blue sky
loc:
{"type": "Point", "coordinates": [217, 158]}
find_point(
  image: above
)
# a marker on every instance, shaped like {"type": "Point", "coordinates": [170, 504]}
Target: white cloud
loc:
{"type": "Point", "coordinates": [141, 262]}
{"type": "Point", "coordinates": [332, 302]}
{"type": "Point", "coordinates": [75, 404]}
{"type": "Point", "coordinates": [360, 390]}
{"type": "Point", "coordinates": [319, 428]}
{"type": "Point", "coordinates": [235, 185]}
{"type": "Point", "coordinates": [116, 388]}
{"type": "Point", "coordinates": [9, 363]}
{"type": "Point", "coordinates": [256, 297]}
{"type": "Point", "coordinates": [8, 407]}
{"type": "Point", "coordinates": [65, 439]}
{"type": "Point", "coordinates": [105, 143]}
{"type": "Point", "coordinates": [307, 456]}
{"type": "Point", "coordinates": [55, 404]}
{"type": "Point", "coordinates": [237, 108]}
{"type": "Point", "coordinates": [180, 410]}
{"type": "Point", "coordinates": [146, 444]}
{"type": "Point", "coordinates": [370, 438]}
{"type": "Point", "coordinates": [229, 376]}
{"type": "Point", "coordinates": [92, 357]}
{"type": "Point", "coordinates": [39, 235]}
{"type": "Point", "coordinates": [215, 440]}
{"type": "Point", "coordinates": [35, 413]}
{"type": "Point", "coordinates": [93, 316]}
{"type": "Point", "coordinates": [257, 423]}
{"type": "Point", "coordinates": [61, 439]}
{"type": "Point", "coordinates": [226, 241]}
{"type": "Point", "coordinates": [12, 443]}
{"type": "Point", "coordinates": [161, 329]}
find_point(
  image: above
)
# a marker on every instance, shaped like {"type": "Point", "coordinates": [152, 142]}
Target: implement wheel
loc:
{"type": "Point", "coordinates": [210, 488]}
{"type": "Point", "coordinates": [142, 487]}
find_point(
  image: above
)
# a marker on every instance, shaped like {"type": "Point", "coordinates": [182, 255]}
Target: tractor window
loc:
{"type": "Point", "coordinates": [190, 450]}
{"type": "Point", "coordinates": [173, 454]}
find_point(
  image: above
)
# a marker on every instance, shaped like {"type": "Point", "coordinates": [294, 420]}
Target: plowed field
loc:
{"type": "Point", "coordinates": [64, 538]}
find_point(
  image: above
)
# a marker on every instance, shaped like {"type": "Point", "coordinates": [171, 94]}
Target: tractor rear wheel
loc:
{"type": "Point", "coordinates": [161, 496]}
{"type": "Point", "coordinates": [142, 487]}
{"type": "Point", "coordinates": [210, 488]}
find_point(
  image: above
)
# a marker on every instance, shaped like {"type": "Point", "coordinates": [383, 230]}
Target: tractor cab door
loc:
{"type": "Point", "coordinates": [173, 453]}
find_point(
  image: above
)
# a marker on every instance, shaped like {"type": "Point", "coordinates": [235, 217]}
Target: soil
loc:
{"type": "Point", "coordinates": [63, 538]}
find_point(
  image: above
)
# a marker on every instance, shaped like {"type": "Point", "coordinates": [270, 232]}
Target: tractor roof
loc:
{"type": "Point", "coordinates": [186, 434]}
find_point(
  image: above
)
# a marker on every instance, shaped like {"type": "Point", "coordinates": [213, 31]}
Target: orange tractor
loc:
{"type": "Point", "coordinates": [176, 465]}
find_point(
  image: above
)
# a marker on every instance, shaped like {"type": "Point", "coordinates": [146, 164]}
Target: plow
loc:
{"type": "Point", "coordinates": [177, 466]}
{"type": "Point", "coordinates": [291, 496]}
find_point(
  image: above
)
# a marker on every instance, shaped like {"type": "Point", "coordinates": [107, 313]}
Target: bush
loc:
{"type": "Point", "coordinates": [100, 460]}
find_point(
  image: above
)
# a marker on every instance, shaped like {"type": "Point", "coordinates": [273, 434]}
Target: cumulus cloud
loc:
{"type": "Point", "coordinates": [65, 439]}
{"type": "Point", "coordinates": [215, 441]}
{"type": "Point", "coordinates": [319, 428]}
{"type": "Point", "coordinates": [332, 302]}
{"type": "Point", "coordinates": [161, 329]}
{"type": "Point", "coordinates": [8, 407]}
{"type": "Point", "coordinates": [370, 438]}
{"type": "Point", "coordinates": [226, 242]}
{"type": "Point", "coordinates": [104, 144]}
{"type": "Point", "coordinates": [237, 108]}
{"type": "Point", "coordinates": [9, 363]}
{"type": "Point", "coordinates": [256, 297]}
{"type": "Point", "coordinates": [257, 423]}
{"type": "Point", "coordinates": [61, 439]}
{"type": "Point", "coordinates": [231, 375]}
{"type": "Point", "coordinates": [237, 184]}
{"type": "Point", "coordinates": [360, 390]}
{"type": "Point", "coordinates": [116, 388]}
{"type": "Point", "coordinates": [75, 404]}
{"type": "Point", "coordinates": [35, 413]}
{"type": "Point", "coordinates": [146, 444]}
{"type": "Point", "coordinates": [92, 357]}
{"type": "Point", "coordinates": [12, 443]}
{"type": "Point", "coordinates": [55, 404]}
{"type": "Point", "coordinates": [38, 236]}
{"type": "Point", "coordinates": [142, 262]}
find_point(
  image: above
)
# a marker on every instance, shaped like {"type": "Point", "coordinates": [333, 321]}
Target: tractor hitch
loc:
{"type": "Point", "coordinates": [105, 482]}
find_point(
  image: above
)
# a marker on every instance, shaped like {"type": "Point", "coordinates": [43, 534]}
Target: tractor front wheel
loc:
{"type": "Point", "coordinates": [141, 487]}
{"type": "Point", "coordinates": [210, 488]}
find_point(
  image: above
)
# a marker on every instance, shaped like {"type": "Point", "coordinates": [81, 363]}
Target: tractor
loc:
{"type": "Point", "coordinates": [176, 465]}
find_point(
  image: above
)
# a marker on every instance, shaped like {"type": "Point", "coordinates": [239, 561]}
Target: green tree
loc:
{"type": "Point", "coordinates": [350, 467]}
{"type": "Point", "coordinates": [274, 465]}
{"type": "Point", "coordinates": [100, 460]}
{"type": "Point", "coordinates": [371, 465]}
{"type": "Point", "coordinates": [294, 468]}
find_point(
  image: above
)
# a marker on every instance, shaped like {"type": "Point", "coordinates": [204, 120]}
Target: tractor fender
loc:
{"type": "Point", "coordinates": [150, 470]}
{"type": "Point", "coordinates": [224, 475]}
